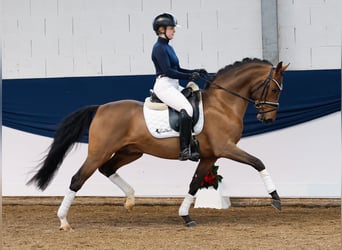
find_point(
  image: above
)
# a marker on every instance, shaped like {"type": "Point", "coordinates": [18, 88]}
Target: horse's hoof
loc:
{"type": "Point", "coordinates": [67, 228]}
{"type": "Point", "coordinates": [129, 203]}
{"type": "Point", "coordinates": [191, 224]}
{"type": "Point", "coordinates": [188, 222]}
{"type": "Point", "coordinates": [276, 204]}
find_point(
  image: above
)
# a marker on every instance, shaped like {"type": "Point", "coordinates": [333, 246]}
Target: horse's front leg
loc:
{"type": "Point", "coordinates": [232, 152]}
{"type": "Point", "coordinates": [200, 172]}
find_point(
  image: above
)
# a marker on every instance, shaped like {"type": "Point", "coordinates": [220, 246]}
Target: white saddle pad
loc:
{"type": "Point", "coordinates": [157, 122]}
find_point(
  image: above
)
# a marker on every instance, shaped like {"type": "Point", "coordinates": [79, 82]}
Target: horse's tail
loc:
{"type": "Point", "coordinates": [69, 132]}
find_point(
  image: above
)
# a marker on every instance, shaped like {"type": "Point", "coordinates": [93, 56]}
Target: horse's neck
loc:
{"type": "Point", "coordinates": [241, 83]}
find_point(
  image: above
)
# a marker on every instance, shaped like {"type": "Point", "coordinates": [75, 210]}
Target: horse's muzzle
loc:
{"type": "Point", "coordinates": [262, 118]}
{"type": "Point", "coordinates": [269, 120]}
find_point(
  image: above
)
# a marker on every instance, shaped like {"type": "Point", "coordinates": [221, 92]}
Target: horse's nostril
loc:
{"type": "Point", "coordinates": [268, 120]}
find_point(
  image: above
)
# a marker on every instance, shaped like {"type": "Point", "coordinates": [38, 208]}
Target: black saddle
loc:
{"type": "Point", "coordinates": [194, 99]}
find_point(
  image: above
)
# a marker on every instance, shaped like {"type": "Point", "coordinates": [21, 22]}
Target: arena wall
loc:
{"type": "Point", "coordinates": [83, 38]}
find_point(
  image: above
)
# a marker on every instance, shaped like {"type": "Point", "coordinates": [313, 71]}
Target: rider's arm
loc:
{"type": "Point", "coordinates": [161, 58]}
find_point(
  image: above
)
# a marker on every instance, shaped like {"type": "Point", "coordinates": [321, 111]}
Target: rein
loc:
{"type": "Point", "coordinates": [257, 103]}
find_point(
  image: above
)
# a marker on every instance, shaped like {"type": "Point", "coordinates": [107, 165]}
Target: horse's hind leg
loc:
{"type": "Point", "coordinates": [77, 181]}
{"type": "Point", "coordinates": [121, 158]}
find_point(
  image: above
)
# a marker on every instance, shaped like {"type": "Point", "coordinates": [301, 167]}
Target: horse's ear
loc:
{"type": "Point", "coordinates": [279, 67]}
{"type": "Point", "coordinates": [285, 67]}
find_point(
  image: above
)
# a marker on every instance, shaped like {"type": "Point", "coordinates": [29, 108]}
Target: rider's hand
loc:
{"type": "Point", "coordinates": [194, 76]}
{"type": "Point", "coordinates": [202, 72]}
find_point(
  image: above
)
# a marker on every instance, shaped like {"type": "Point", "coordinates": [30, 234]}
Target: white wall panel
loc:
{"type": "Point", "coordinates": [129, 43]}
{"type": "Point", "coordinates": [131, 5]}
{"type": "Point", "coordinates": [311, 28]}
{"type": "Point", "coordinates": [18, 67]}
{"type": "Point", "coordinates": [87, 65]}
{"type": "Point", "coordinates": [326, 57]}
{"type": "Point", "coordinates": [156, 7]}
{"type": "Point", "coordinates": [141, 64]}
{"type": "Point", "coordinates": [116, 64]}
{"type": "Point", "coordinates": [202, 21]}
{"type": "Point", "coordinates": [115, 24]}
{"type": "Point", "coordinates": [290, 14]}
{"type": "Point", "coordinates": [10, 25]}
{"type": "Point", "coordinates": [100, 45]}
{"type": "Point", "coordinates": [14, 48]}
{"type": "Point", "coordinates": [80, 29]}
{"type": "Point", "coordinates": [309, 36]}
{"type": "Point", "coordinates": [297, 159]}
{"type": "Point", "coordinates": [78, 46]}
{"type": "Point", "coordinates": [70, 8]}
{"type": "Point", "coordinates": [327, 13]}
{"type": "Point", "coordinates": [99, 7]}
{"type": "Point", "coordinates": [29, 26]}
{"type": "Point", "coordinates": [58, 27]}
{"type": "Point", "coordinates": [204, 59]}
{"type": "Point", "coordinates": [44, 47]}
{"type": "Point", "coordinates": [86, 26]}
{"type": "Point", "coordinates": [187, 37]}
{"type": "Point", "coordinates": [43, 8]}
{"type": "Point", "coordinates": [16, 8]}
{"type": "Point", "coordinates": [309, 31]}
{"type": "Point", "coordinates": [228, 57]}
{"type": "Point", "coordinates": [299, 56]}
{"type": "Point", "coordinates": [58, 65]}
{"type": "Point", "coordinates": [188, 6]}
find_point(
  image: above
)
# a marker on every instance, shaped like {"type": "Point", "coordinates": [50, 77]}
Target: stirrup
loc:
{"type": "Point", "coordinates": [184, 155]}
{"type": "Point", "coordinates": [187, 155]}
{"type": "Point", "coordinates": [195, 156]}
{"type": "Point", "coordinates": [195, 149]}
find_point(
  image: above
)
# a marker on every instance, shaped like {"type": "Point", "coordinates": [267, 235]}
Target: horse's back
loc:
{"type": "Point", "coordinates": [122, 108]}
{"type": "Point", "coordinates": [118, 116]}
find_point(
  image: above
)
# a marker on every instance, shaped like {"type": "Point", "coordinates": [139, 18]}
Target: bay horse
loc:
{"type": "Point", "coordinates": [118, 134]}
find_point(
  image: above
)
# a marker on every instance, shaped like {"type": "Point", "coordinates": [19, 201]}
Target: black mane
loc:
{"type": "Point", "coordinates": [238, 64]}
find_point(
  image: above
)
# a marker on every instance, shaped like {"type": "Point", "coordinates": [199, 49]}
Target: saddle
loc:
{"type": "Point", "coordinates": [192, 94]}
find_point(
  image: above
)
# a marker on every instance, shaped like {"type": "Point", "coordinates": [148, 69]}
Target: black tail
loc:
{"type": "Point", "coordinates": [69, 132]}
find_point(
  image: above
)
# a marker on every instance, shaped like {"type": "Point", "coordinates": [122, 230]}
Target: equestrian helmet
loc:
{"type": "Point", "coordinates": [163, 20]}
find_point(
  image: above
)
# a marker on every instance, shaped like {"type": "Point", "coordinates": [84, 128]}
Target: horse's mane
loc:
{"type": "Point", "coordinates": [236, 65]}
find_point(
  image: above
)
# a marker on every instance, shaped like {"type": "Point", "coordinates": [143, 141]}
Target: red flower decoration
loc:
{"type": "Point", "coordinates": [212, 179]}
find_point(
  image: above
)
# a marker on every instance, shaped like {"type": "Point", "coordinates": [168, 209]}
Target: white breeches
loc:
{"type": "Point", "coordinates": [168, 91]}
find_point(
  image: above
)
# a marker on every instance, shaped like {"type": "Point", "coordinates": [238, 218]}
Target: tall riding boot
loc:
{"type": "Point", "coordinates": [185, 125]}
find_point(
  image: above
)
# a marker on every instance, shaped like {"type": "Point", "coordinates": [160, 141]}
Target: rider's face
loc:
{"type": "Point", "coordinates": [170, 32]}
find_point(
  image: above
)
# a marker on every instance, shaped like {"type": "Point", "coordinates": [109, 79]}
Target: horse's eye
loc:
{"type": "Point", "coordinates": [274, 91]}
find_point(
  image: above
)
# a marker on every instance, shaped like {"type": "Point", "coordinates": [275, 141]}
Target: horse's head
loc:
{"type": "Point", "coordinates": [266, 95]}
{"type": "Point", "coordinates": [255, 81]}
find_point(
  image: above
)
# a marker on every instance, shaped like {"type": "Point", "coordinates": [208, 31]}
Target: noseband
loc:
{"type": "Point", "coordinates": [261, 102]}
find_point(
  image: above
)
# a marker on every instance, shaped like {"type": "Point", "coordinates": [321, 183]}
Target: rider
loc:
{"type": "Point", "coordinates": [167, 86]}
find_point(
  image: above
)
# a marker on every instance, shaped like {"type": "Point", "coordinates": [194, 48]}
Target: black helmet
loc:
{"type": "Point", "coordinates": [163, 20]}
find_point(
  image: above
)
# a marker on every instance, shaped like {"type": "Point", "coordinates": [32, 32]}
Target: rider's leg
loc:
{"type": "Point", "coordinates": [185, 125]}
{"type": "Point", "coordinates": [167, 90]}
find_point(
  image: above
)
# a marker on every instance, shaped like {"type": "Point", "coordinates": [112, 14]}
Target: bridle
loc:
{"type": "Point", "coordinates": [262, 101]}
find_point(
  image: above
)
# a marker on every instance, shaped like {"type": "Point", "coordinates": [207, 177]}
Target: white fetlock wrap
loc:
{"type": "Point", "coordinates": [66, 203]}
{"type": "Point", "coordinates": [266, 178]}
{"type": "Point", "coordinates": [185, 206]}
{"type": "Point", "coordinates": [124, 186]}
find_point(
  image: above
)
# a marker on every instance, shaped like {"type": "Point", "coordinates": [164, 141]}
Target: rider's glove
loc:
{"type": "Point", "coordinates": [194, 76]}
{"type": "Point", "coordinates": [202, 72]}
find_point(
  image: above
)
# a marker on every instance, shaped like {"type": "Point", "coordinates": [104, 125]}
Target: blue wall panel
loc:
{"type": "Point", "coordinates": [38, 105]}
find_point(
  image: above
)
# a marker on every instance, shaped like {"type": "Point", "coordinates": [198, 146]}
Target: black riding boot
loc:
{"type": "Point", "coordinates": [185, 125]}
